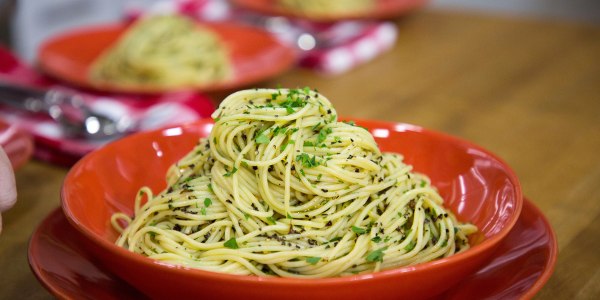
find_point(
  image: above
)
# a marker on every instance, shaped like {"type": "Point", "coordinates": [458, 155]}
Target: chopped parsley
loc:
{"type": "Point", "coordinates": [335, 239]}
{"type": "Point", "coordinates": [271, 220]}
{"type": "Point", "coordinates": [207, 202]}
{"type": "Point", "coordinates": [410, 246]}
{"type": "Point", "coordinates": [279, 130]}
{"type": "Point", "coordinates": [316, 126]}
{"type": "Point", "coordinates": [293, 100]}
{"type": "Point", "coordinates": [358, 230]}
{"type": "Point", "coordinates": [228, 174]}
{"type": "Point", "coordinates": [308, 161]}
{"type": "Point", "coordinates": [262, 139]}
{"type": "Point", "coordinates": [287, 143]}
{"type": "Point", "coordinates": [376, 255]}
{"type": "Point", "coordinates": [231, 244]}
{"type": "Point", "coordinates": [323, 135]}
{"type": "Point", "coordinates": [313, 260]}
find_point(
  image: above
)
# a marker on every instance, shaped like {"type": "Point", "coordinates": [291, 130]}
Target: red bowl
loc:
{"type": "Point", "coordinates": [478, 186]}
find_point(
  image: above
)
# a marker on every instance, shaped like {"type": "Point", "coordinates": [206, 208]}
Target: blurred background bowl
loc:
{"type": "Point", "coordinates": [476, 185]}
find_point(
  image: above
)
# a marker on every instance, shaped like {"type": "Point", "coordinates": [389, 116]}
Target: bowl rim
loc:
{"type": "Point", "coordinates": [486, 245]}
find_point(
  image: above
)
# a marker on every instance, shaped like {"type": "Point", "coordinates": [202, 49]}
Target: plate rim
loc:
{"type": "Point", "coordinates": [34, 261]}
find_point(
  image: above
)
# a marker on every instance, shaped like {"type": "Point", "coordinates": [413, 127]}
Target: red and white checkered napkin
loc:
{"type": "Point", "coordinates": [369, 40]}
{"type": "Point", "coordinates": [51, 145]}
{"type": "Point", "coordinates": [331, 48]}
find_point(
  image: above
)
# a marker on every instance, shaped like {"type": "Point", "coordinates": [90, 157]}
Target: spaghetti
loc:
{"type": "Point", "coordinates": [166, 51]}
{"type": "Point", "coordinates": [280, 187]}
{"type": "Point", "coordinates": [327, 7]}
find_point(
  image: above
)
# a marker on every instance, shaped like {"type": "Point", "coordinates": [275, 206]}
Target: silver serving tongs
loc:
{"type": "Point", "coordinates": [68, 109]}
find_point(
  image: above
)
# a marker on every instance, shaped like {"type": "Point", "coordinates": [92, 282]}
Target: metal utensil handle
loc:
{"type": "Point", "coordinates": [20, 97]}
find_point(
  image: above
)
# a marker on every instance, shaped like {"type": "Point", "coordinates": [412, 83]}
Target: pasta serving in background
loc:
{"type": "Point", "coordinates": [327, 7]}
{"type": "Point", "coordinates": [164, 51]}
{"type": "Point", "coordinates": [281, 187]}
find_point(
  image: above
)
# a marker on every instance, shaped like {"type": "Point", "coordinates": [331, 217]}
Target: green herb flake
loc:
{"type": "Point", "coordinates": [262, 139]}
{"type": "Point", "coordinates": [335, 239]}
{"type": "Point", "coordinates": [210, 189]}
{"type": "Point", "coordinates": [323, 135]}
{"type": "Point", "coordinates": [445, 243]}
{"type": "Point", "coordinates": [203, 211]}
{"type": "Point", "coordinates": [231, 244]}
{"type": "Point", "coordinates": [358, 230]}
{"type": "Point", "coordinates": [286, 144]}
{"type": "Point", "coordinates": [313, 260]}
{"type": "Point", "coordinates": [307, 161]}
{"type": "Point", "coordinates": [410, 246]}
{"type": "Point", "coordinates": [271, 220]}
{"type": "Point", "coordinates": [207, 202]}
{"type": "Point", "coordinates": [423, 183]}
{"type": "Point", "coordinates": [376, 255]}
{"type": "Point", "coordinates": [279, 130]}
{"type": "Point", "coordinates": [288, 215]}
{"type": "Point", "coordinates": [316, 126]}
{"type": "Point", "coordinates": [376, 239]}
{"type": "Point", "coordinates": [228, 174]}
{"type": "Point", "coordinates": [244, 164]}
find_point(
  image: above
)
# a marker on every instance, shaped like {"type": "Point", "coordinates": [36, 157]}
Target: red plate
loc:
{"type": "Point", "coordinates": [256, 56]}
{"type": "Point", "coordinates": [381, 10]}
{"type": "Point", "coordinates": [522, 265]}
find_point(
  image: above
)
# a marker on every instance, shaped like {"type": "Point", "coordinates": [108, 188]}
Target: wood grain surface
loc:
{"type": "Point", "coordinates": [528, 90]}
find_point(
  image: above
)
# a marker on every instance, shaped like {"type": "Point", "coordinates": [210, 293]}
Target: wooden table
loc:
{"type": "Point", "coordinates": [527, 90]}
